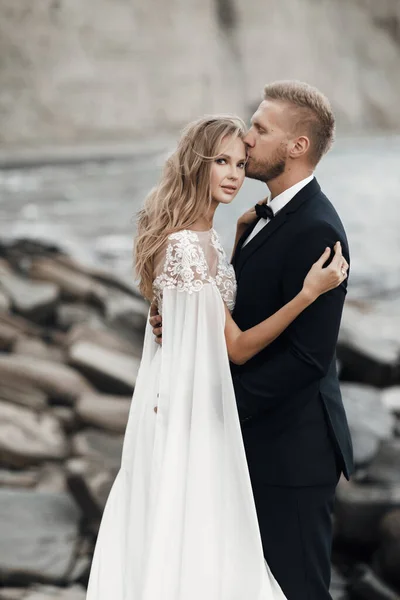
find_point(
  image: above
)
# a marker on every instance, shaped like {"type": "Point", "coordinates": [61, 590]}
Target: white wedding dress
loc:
{"type": "Point", "coordinates": [180, 521]}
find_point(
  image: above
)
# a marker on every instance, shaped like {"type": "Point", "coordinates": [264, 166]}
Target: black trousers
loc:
{"type": "Point", "coordinates": [296, 531]}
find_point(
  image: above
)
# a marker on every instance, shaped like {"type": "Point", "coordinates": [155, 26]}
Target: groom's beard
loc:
{"type": "Point", "coordinates": [268, 169]}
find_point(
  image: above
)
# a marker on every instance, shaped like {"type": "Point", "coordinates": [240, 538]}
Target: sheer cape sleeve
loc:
{"type": "Point", "coordinates": [200, 472]}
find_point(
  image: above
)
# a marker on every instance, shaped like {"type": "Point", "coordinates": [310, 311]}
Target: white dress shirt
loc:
{"type": "Point", "coordinates": [278, 203]}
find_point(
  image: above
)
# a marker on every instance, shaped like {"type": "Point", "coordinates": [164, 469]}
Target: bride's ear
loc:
{"type": "Point", "coordinates": [300, 147]}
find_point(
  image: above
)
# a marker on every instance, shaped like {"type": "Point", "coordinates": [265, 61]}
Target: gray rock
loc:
{"type": "Point", "coordinates": [5, 302]}
{"type": "Point", "coordinates": [31, 299]}
{"type": "Point", "coordinates": [110, 279]}
{"type": "Point", "coordinates": [369, 419]}
{"type": "Point", "coordinates": [66, 416]}
{"type": "Point", "coordinates": [70, 314]}
{"type": "Point", "coordinates": [90, 483]}
{"type": "Point", "coordinates": [19, 325]}
{"type": "Point", "coordinates": [40, 535]}
{"type": "Point", "coordinates": [58, 381]}
{"type": "Point", "coordinates": [104, 337]}
{"type": "Point", "coordinates": [388, 555]}
{"type": "Point", "coordinates": [4, 264]}
{"type": "Point", "coordinates": [385, 467]}
{"type": "Point", "coordinates": [81, 568]}
{"type": "Point", "coordinates": [338, 587]}
{"type": "Point", "coordinates": [104, 411]}
{"type": "Point", "coordinates": [366, 585]}
{"type": "Point", "coordinates": [98, 445]}
{"type": "Point", "coordinates": [35, 347]}
{"type": "Point", "coordinates": [369, 342]}
{"type": "Point", "coordinates": [51, 478]}
{"type": "Point", "coordinates": [359, 509]}
{"type": "Point", "coordinates": [125, 313]}
{"type": "Point", "coordinates": [365, 446]}
{"type": "Point", "coordinates": [22, 392]}
{"type": "Point", "coordinates": [19, 479]}
{"type": "Point", "coordinates": [72, 284]}
{"type": "Point", "coordinates": [92, 472]}
{"type": "Point", "coordinates": [20, 250]}
{"type": "Point", "coordinates": [8, 336]}
{"type": "Point", "coordinates": [64, 260]}
{"type": "Point", "coordinates": [13, 593]}
{"type": "Point", "coordinates": [110, 371]}
{"type": "Point", "coordinates": [75, 592]}
{"type": "Point", "coordinates": [391, 399]}
{"type": "Point", "coordinates": [28, 437]}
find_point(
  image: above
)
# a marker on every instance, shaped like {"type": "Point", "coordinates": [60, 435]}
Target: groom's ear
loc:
{"type": "Point", "coordinates": [299, 147]}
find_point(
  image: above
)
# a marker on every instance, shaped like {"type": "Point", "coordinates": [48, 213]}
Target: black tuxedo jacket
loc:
{"type": "Point", "coordinates": [293, 422]}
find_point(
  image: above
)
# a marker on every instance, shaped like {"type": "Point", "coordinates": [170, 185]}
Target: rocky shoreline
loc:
{"type": "Point", "coordinates": [70, 341]}
{"type": "Point", "coordinates": [70, 345]}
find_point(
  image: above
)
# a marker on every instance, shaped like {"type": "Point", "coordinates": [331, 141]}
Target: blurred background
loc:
{"type": "Point", "coordinates": [92, 98]}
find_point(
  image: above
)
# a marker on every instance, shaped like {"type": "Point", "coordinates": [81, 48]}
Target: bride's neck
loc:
{"type": "Point", "coordinates": [202, 224]}
{"type": "Point", "coordinates": [205, 222]}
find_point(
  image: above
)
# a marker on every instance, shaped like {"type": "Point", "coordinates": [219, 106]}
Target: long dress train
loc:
{"type": "Point", "coordinates": [180, 521]}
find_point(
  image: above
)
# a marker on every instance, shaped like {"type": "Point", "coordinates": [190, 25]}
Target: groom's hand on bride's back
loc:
{"type": "Point", "coordinates": [155, 321]}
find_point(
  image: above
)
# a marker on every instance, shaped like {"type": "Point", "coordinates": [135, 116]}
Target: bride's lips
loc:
{"type": "Point", "coordinates": [229, 189]}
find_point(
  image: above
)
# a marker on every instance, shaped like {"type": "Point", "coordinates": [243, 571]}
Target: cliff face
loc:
{"type": "Point", "coordinates": [115, 69]}
{"type": "Point", "coordinates": [342, 48]}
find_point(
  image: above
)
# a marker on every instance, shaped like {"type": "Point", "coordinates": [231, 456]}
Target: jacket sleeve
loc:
{"type": "Point", "coordinates": [310, 341]}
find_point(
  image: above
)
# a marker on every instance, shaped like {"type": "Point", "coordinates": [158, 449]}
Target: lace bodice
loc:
{"type": "Point", "coordinates": [190, 260]}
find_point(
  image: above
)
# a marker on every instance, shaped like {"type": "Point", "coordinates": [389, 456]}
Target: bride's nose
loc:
{"type": "Point", "coordinates": [234, 175]}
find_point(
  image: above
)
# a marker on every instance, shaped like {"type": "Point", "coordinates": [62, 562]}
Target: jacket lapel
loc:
{"type": "Point", "coordinates": [242, 255]}
{"type": "Point", "coordinates": [259, 240]}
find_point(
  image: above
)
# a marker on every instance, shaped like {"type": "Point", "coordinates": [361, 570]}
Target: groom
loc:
{"type": "Point", "coordinates": [294, 426]}
{"type": "Point", "coordinates": [293, 422]}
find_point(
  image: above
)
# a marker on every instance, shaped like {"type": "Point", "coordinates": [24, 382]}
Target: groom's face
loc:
{"type": "Point", "coordinates": [267, 141]}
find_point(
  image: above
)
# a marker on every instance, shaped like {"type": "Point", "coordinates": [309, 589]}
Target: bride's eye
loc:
{"type": "Point", "coordinates": [220, 161]}
{"type": "Point", "coordinates": [242, 165]}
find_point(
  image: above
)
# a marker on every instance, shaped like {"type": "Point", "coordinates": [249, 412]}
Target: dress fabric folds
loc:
{"type": "Point", "coordinates": [180, 521]}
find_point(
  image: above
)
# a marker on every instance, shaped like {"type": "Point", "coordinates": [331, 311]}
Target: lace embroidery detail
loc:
{"type": "Point", "coordinates": [186, 268]}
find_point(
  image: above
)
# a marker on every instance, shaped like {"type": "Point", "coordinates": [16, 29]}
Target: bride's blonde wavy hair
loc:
{"type": "Point", "coordinates": [183, 194]}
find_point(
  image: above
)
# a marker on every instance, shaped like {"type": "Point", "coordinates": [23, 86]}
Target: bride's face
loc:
{"type": "Point", "coordinates": [228, 170]}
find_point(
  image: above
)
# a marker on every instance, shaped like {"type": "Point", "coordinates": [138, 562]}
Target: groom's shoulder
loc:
{"type": "Point", "coordinates": [320, 210]}
{"type": "Point", "coordinates": [320, 218]}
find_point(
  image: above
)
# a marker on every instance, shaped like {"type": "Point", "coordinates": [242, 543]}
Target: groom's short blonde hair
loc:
{"type": "Point", "coordinates": [312, 113]}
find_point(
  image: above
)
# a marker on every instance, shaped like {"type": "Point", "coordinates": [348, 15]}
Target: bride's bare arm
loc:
{"type": "Point", "coordinates": [243, 345]}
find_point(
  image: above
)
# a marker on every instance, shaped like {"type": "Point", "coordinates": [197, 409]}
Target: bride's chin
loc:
{"type": "Point", "coordinates": [226, 200]}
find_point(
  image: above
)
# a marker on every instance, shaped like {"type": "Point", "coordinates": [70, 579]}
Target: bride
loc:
{"type": "Point", "coordinates": [180, 522]}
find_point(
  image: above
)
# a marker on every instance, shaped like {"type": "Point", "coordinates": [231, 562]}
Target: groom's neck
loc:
{"type": "Point", "coordinates": [287, 179]}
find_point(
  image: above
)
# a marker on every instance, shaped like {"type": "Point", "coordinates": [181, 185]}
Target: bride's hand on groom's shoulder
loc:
{"type": "Point", "coordinates": [320, 278]}
{"type": "Point", "coordinates": [155, 321]}
{"type": "Point", "coordinates": [249, 216]}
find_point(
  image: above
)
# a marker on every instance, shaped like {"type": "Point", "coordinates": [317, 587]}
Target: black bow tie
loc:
{"type": "Point", "coordinates": [264, 211]}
